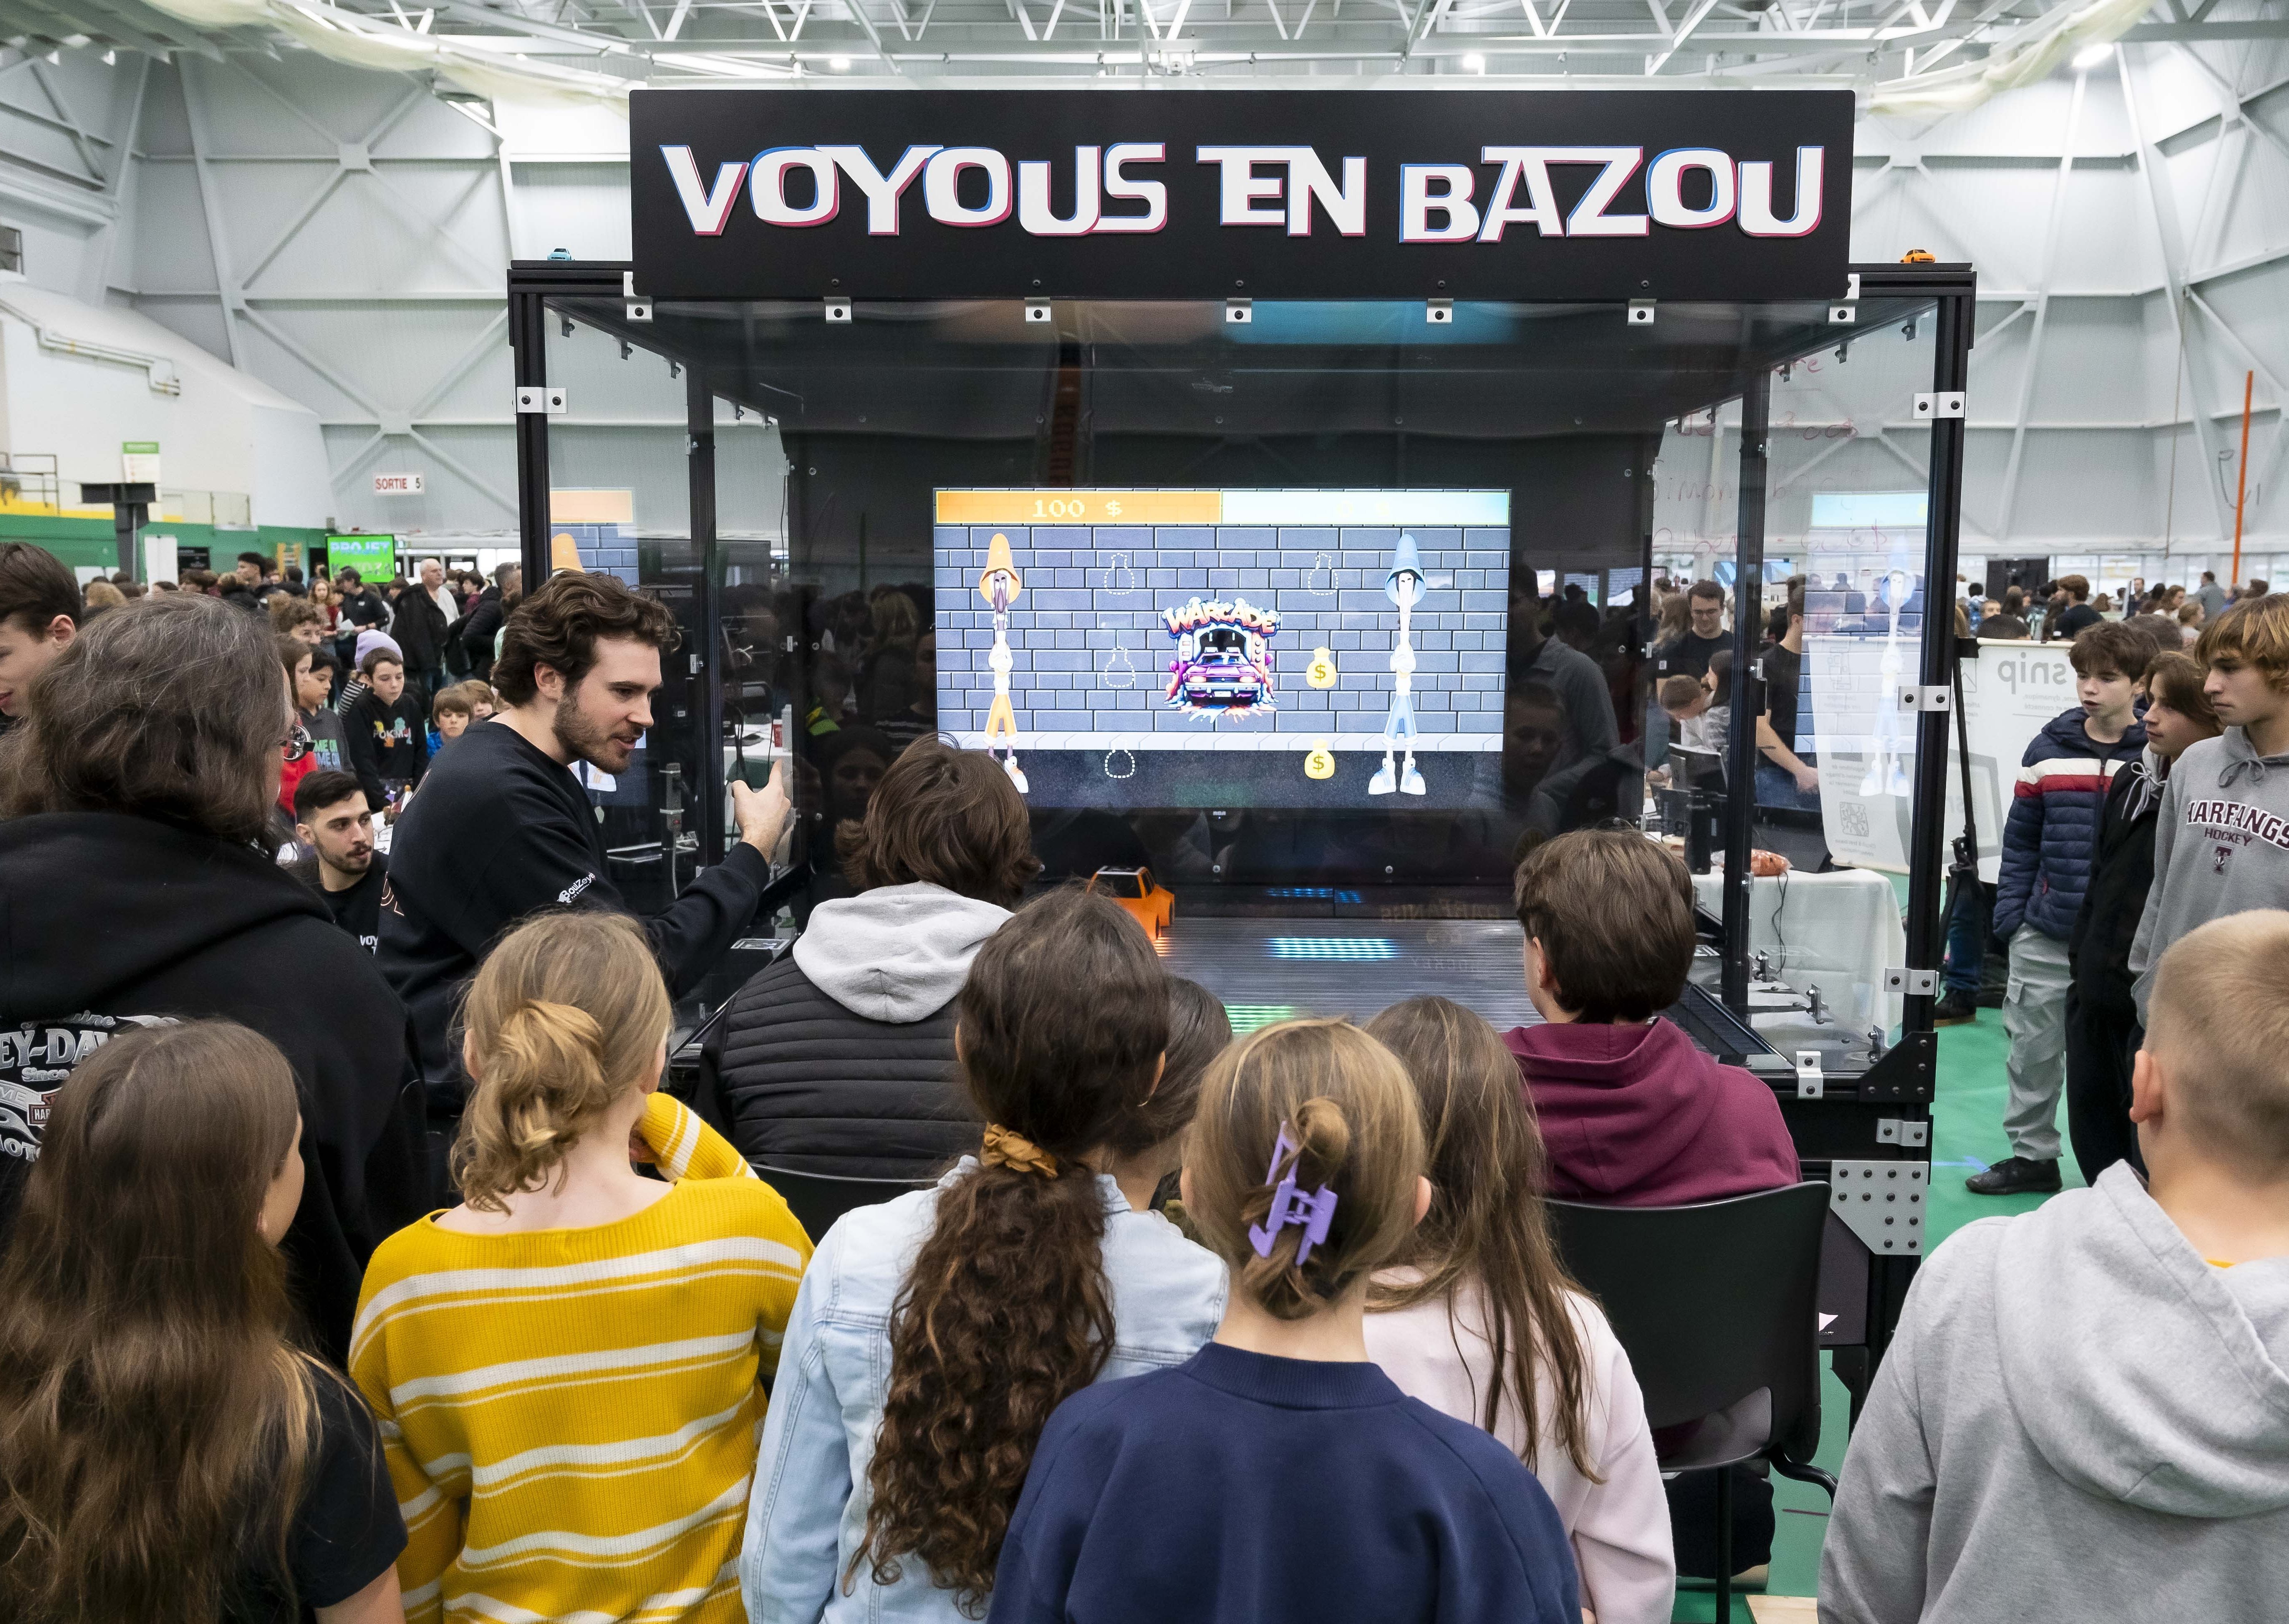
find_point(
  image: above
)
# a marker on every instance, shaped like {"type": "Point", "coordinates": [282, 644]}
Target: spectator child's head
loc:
{"type": "Point", "coordinates": [480, 695]}
{"type": "Point", "coordinates": [941, 816]}
{"type": "Point", "coordinates": [1059, 1033]}
{"type": "Point", "coordinates": [1486, 1221]}
{"type": "Point", "coordinates": [39, 616]}
{"type": "Point", "coordinates": [99, 596]}
{"type": "Point", "coordinates": [143, 1280]}
{"type": "Point", "coordinates": [2108, 659]}
{"type": "Point", "coordinates": [252, 568]}
{"type": "Point", "coordinates": [567, 1033]}
{"type": "Point", "coordinates": [1199, 1028]}
{"type": "Point", "coordinates": [1684, 697]}
{"type": "Point", "coordinates": [309, 687]}
{"type": "Point", "coordinates": [331, 818]}
{"type": "Point", "coordinates": [1608, 920]}
{"type": "Point", "coordinates": [298, 618]}
{"type": "Point", "coordinates": [2247, 650]}
{"type": "Point", "coordinates": [385, 674]}
{"type": "Point", "coordinates": [450, 713]}
{"type": "Point", "coordinates": [172, 709]}
{"type": "Point", "coordinates": [2210, 1089]}
{"type": "Point", "coordinates": [2178, 713]}
{"type": "Point", "coordinates": [1320, 1103]}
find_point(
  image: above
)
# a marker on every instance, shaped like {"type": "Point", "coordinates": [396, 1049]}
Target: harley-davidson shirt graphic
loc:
{"type": "Point", "coordinates": [37, 1058]}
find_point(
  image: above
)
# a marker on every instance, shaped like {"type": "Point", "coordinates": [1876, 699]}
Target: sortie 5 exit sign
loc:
{"type": "Point", "coordinates": [397, 484]}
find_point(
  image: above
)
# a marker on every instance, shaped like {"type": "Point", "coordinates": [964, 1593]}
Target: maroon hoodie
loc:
{"type": "Point", "coordinates": [1637, 1116]}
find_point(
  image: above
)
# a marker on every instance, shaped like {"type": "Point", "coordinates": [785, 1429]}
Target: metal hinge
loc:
{"type": "Point", "coordinates": [1898, 1131]}
{"type": "Point", "coordinates": [638, 309]}
{"type": "Point", "coordinates": [1882, 1203]}
{"type": "Point", "coordinates": [1641, 312]}
{"type": "Point", "coordinates": [1939, 696]}
{"type": "Point", "coordinates": [538, 400]}
{"type": "Point", "coordinates": [1914, 983]}
{"type": "Point", "coordinates": [1951, 402]}
{"type": "Point", "coordinates": [838, 310]}
{"type": "Point", "coordinates": [1809, 1082]}
{"type": "Point", "coordinates": [1240, 312]}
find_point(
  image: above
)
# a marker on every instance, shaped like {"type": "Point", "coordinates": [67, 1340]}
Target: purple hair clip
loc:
{"type": "Point", "coordinates": [1310, 1212]}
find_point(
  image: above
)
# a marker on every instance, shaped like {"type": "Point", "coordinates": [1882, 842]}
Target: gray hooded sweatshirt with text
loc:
{"type": "Point", "coordinates": [2080, 1419]}
{"type": "Point", "coordinates": [2220, 846]}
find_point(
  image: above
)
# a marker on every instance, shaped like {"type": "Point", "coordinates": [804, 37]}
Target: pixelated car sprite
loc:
{"type": "Point", "coordinates": [1223, 663]}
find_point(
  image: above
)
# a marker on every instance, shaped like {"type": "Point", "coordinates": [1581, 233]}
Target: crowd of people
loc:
{"type": "Point", "coordinates": [360, 1263]}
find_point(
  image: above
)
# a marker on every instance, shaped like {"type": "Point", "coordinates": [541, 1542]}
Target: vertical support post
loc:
{"type": "Point", "coordinates": [699, 423]}
{"type": "Point", "coordinates": [528, 338]}
{"type": "Point", "coordinates": [1748, 689]}
{"type": "Point", "coordinates": [1926, 864]}
{"type": "Point", "coordinates": [2241, 491]}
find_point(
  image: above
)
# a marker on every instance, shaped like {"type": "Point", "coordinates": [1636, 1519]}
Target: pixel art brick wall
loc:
{"type": "Point", "coordinates": [1092, 652]}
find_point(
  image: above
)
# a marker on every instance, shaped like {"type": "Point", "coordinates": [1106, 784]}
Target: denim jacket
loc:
{"type": "Point", "coordinates": [808, 1512]}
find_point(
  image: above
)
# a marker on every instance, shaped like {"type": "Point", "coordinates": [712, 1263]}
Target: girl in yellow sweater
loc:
{"type": "Point", "coordinates": [567, 1367]}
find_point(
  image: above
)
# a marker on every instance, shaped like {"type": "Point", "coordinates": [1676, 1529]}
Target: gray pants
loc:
{"type": "Point", "coordinates": [2035, 1017]}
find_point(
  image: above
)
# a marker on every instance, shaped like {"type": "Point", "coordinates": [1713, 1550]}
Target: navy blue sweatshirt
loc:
{"type": "Point", "coordinates": [1241, 1489]}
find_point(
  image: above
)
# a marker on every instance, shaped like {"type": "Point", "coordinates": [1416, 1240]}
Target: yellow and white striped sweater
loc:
{"type": "Point", "coordinates": [571, 1415]}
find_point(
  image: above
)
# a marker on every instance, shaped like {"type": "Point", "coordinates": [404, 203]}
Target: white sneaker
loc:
{"type": "Point", "coordinates": [1411, 781]}
{"type": "Point", "coordinates": [1385, 779]}
{"type": "Point", "coordinates": [1016, 775]}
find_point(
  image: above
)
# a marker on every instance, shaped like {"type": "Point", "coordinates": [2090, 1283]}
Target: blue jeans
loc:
{"type": "Point", "coordinates": [1967, 929]}
{"type": "Point", "coordinates": [1777, 787]}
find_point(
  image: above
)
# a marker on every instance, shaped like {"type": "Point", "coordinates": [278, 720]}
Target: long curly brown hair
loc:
{"type": "Point", "coordinates": [1007, 1311]}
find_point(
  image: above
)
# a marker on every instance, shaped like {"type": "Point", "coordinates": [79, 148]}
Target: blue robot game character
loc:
{"type": "Point", "coordinates": [1403, 585]}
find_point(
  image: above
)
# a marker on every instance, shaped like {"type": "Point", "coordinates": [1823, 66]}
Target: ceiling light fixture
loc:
{"type": "Point", "coordinates": [840, 64]}
{"type": "Point", "coordinates": [2091, 56]}
{"type": "Point", "coordinates": [1474, 63]}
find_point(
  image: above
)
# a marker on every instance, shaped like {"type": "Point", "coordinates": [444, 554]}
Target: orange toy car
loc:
{"type": "Point", "coordinates": [1148, 904]}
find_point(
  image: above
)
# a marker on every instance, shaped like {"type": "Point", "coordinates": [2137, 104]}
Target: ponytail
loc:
{"type": "Point", "coordinates": [1006, 1311]}
{"type": "Point", "coordinates": [1304, 1162]}
{"type": "Point", "coordinates": [564, 1017]}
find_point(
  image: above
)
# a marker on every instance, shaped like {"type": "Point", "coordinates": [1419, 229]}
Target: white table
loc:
{"type": "Point", "coordinates": [1839, 932]}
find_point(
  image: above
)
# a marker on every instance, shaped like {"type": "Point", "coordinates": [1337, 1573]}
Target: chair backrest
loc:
{"type": "Point", "coordinates": [817, 1200]}
{"type": "Point", "coordinates": [1712, 1302]}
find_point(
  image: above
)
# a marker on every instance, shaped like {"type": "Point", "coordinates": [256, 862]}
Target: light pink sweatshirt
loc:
{"type": "Point", "coordinates": [1620, 1527]}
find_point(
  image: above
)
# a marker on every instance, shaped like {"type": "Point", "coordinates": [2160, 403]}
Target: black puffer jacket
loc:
{"type": "Point", "coordinates": [839, 1059]}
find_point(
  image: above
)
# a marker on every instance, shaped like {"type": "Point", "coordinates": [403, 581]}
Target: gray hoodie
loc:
{"type": "Point", "coordinates": [898, 952]}
{"type": "Point", "coordinates": [2080, 1419]}
{"type": "Point", "coordinates": [2220, 846]}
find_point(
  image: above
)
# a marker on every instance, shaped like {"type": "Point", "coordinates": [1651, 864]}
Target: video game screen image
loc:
{"type": "Point", "coordinates": [1268, 648]}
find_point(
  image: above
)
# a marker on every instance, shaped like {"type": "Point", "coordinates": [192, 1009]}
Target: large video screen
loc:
{"type": "Point", "coordinates": [1191, 648]}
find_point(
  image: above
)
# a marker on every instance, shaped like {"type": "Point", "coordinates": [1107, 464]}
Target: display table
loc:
{"type": "Point", "coordinates": [1839, 932]}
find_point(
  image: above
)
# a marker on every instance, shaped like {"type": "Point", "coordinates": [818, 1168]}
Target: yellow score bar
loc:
{"type": "Point", "coordinates": [1080, 507]}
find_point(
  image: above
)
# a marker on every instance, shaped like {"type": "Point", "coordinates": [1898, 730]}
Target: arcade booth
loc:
{"type": "Point", "coordinates": [1297, 493]}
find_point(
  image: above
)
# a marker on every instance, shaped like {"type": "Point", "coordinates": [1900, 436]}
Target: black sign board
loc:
{"type": "Point", "coordinates": [741, 194]}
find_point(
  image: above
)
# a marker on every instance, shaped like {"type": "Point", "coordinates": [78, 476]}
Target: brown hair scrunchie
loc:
{"type": "Point", "coordinates": [1005, 1148]}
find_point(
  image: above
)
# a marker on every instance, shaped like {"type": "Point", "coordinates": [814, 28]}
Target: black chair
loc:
{"type": "Point", "coordinates": [817, 1200]}
{"type": "Point", "coordinates": [1715, 1305]}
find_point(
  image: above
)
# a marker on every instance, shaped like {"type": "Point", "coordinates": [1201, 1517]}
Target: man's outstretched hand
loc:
{"type": "Point", "coordinates": [761, 814]}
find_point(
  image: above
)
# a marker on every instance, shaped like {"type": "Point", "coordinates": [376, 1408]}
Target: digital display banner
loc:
{"type": "Point", "coordinates": [1174, 647]}
{"type": "Point", "coordinates": [764, 194]}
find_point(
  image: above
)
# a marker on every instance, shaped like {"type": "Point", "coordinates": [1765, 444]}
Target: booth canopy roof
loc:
{"type": "Point", "coordinates": [979, 369]}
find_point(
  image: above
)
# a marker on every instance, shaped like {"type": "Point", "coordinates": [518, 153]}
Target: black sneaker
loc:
{"type": "Point", "coordinates": [1954, 1009]}
{"type": "Point", "coordinates": [2015, 1175]}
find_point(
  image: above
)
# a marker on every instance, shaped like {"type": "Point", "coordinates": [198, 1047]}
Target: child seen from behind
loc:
{"type": "Point", "coordinates": [569, 1366]}
{"type": "Point", "coordinates": [1483, 1323]}
{"type": "Point", "coordinates": [935, 1334]}
{"type": "Point", "coordinates": [1278, 1474]}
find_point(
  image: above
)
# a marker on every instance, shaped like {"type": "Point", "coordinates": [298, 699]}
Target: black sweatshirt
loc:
{"type": "Point", "coordinates": [386, 742]}
{"type": "Point", "coordinates": [109, 921]}
{"type": "Point", "coordinates": [500, 831]}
